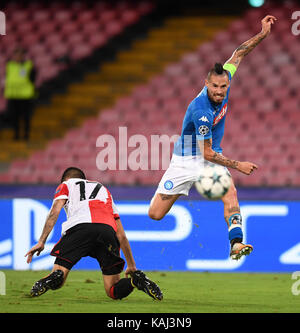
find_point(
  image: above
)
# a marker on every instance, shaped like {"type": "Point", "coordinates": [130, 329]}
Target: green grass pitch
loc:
{"type": "Point", "coordinates": [184, 292]}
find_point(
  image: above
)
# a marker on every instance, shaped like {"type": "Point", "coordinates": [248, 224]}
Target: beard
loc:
{"type": "Point", "coordinates": [216, 99]}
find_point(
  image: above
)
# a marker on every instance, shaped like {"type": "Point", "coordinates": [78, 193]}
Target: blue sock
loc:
{"type": "Point", "coordinates": [235, 228]}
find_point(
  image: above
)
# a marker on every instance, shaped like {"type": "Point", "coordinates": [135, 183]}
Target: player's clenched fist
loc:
{"type": "Point", "coordinates": [246, 167]}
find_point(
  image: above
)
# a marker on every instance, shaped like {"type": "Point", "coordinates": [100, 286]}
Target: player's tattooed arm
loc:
{"type": "Point", "coordinates": [220, 159]}
{"type": "Point", "coordinates": [214, 157]}
{"type": "Point", "coordinates": [250, 44]}
{"type": "Point", "coordinates": [51, 219]}
{"type": "Point", "coordinates": [49, 224]}
{"type": "Point", "coordinates": [245, 49]}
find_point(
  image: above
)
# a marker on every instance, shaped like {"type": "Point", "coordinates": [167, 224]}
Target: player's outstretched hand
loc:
{"type": "Point", "coordinates": [39, 247]}
{"type": "Point", "coordinates": [266, 24]}
{"type": "Point", "coordinates": [246, 167]}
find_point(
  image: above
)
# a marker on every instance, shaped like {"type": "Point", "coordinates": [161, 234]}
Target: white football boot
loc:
{"type": "Point", "coordinates": [239, 249]}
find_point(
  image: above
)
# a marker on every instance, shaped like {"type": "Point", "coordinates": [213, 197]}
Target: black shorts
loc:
{"type": "Point", "coordinates": [96, 240]}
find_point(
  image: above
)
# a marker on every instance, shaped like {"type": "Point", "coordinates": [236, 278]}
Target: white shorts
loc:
{"type": "Point", "coordinates": [181, 174]}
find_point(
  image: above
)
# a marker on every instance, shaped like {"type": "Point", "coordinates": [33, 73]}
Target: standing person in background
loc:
{"type": "Point", "coordinates": [19, 91]}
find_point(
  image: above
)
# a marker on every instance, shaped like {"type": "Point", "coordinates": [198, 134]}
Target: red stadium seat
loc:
{"type": "Point", "coordinates": [81, 51]}
{"type": "Point", "coordinates": [55, 29]}
{"type": "Point", "coordinates": [129, 17]}
{"type": "Point", "coordinates": [113, 28]}
{"type": "Point", "coordinates": [262, 122]}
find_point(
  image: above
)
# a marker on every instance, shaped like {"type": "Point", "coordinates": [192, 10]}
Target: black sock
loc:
{"type": "Point", "coordinates": [121, 289]}
{"type": "Point", "coordinates": [235, 240]}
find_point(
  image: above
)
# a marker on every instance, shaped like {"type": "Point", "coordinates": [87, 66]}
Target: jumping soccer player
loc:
{"type": "Point", "coordinates": [201, 136]}
{"type": "Point", "coordinates": [93, 228]}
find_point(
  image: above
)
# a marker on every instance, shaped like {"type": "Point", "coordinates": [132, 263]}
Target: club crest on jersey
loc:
{"type": "Point", "coordinates": [221, 115]}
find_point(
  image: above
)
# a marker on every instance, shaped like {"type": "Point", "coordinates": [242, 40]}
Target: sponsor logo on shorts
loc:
{"type": "Point", "coordinates": [168, 185]}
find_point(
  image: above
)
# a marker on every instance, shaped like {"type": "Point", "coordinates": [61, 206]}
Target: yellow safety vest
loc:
{"type": "Point", "coordinates": [17, 81]}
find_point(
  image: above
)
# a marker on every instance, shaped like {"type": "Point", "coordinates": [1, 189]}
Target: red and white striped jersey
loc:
{"type": "Point", "coordinates": [87, 202]}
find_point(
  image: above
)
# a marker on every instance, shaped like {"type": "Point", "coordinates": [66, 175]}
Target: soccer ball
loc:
{"type": "Point", "coordinates": [214, 182]}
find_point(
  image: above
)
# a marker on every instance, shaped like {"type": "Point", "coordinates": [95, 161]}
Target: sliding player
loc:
{"type": "Point", "coordinates": [93, 228]}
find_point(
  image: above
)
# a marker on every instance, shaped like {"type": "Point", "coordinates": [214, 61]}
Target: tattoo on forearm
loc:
{"type": "Point", "coordinates": [249, 45]}
{"type": "Point", "coordinates": [50, 222]}
{"type": "Point", "coordinates": [220, 159]}
{"type": "Point", "coordinates": [208, 143]}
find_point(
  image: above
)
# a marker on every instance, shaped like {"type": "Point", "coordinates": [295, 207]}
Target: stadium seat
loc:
{"type": "Point", "coordinates": [264, 100]}
{"type": "Point", "coordinates": [66, 25]}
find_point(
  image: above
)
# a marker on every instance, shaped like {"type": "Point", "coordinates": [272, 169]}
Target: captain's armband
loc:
{"type": "Point", "coordinates": [230, 68]}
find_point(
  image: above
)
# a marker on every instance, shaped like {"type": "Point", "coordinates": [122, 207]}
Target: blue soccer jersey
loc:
{"type": "Point", "coordinates": [203, 120]}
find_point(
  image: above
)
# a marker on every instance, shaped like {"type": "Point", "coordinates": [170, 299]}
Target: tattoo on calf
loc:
{"type": "Point", "coordinates": [166, 196]}
{"type": "Point", "coordinates": [234, 209]}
